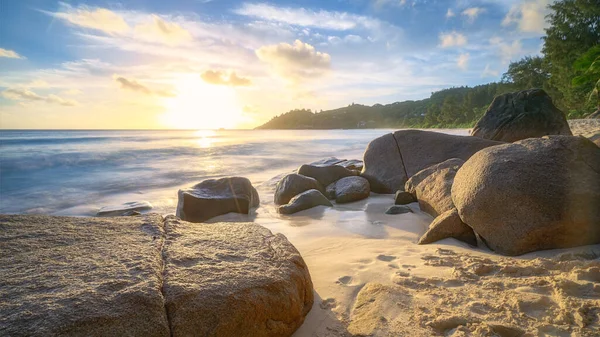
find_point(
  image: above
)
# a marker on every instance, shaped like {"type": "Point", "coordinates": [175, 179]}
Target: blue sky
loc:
{"type": "Point", "coordinates": [224, 63]}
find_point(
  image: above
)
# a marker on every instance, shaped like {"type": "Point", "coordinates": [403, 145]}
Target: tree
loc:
{"type": "Point", "coordinates": [589, 67]}
{"type": "Point", "coordinates": [574, 29]}
{"type": "Point", "coordinates": [527, 73]}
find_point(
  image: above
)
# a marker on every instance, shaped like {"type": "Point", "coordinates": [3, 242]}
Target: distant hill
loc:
{"type": "Point", "coordinates": [454, 107]}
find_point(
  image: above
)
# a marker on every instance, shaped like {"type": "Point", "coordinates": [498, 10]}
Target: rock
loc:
{"type": "Point", "coordinates": [325, 174]}
{"type": "Point", "coordinates": [432, 187]}
{"type": "Point", "coordinates": [403, 198]}
{"type": "Point", "coordinates": [68, 276]}
{"type": "Point", "coordinates": [393, 158]}
{"type": "Point", "coordinates": [350, 189]}
{"type": "Point", "coordinates": [327, 161]}
{"type": "Point", "coordinates": [292, 185]}
{"type": "Point", "coordinates": [227, 279]}
{"type": "Point", "coordinates": [330, 191]}
{"type": "Point", "coordinates": [398, 209]}
{"type": "Point", "coordinates": [352, 164]}
{"type": "Point", "coordinates": [449, 225]}
{"type": "Point", "coordinates": [521, 115]}
{"type": "Point", "coordinates": [215, 197]}
{"type": "Point", "coordinates": [303, 201]}
{"type": "Point", "coordinates": [128, 208]}
{"type": "Point", "coordinates": [535, 194]}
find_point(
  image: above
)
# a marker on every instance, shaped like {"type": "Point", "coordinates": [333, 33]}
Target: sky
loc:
{"type": "Point", "coordinates": [204, 64]}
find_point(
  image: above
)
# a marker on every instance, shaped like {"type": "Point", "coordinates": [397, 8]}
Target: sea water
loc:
{"type": "Point", "coordinates": [77, 172]}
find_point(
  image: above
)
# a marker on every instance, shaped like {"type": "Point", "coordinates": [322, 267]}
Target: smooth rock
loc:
{"type": "Point", "coordinates": [403, 198]}
{"type": "Point", "coordinates": [228, 279]}
{"type": "Point", "coordinates": [125, 209]}
{"type": "Point", "coordinates": [303, 201]}
{"type": "Point", "coordinates": [215, 197]}
{"type": "Point", "coordinates": [327, 161]}
{"type": "Point", "coordinates": [393, 158]}
{"type": "Point", "coordinates": [325, 174]}
{"type": "Point", "coordinates": [352, 164]}
{"type": "Point", "coordinates": [534, 194]}
{"type": "Point", "coordinates": [398, 209]}
{"type": "Point", "coordinates": [71, 276]}
{"type": "Point", "coordinates": [521, 115]}
{"type": "Point", "coordinates": [350, 189]}
{"type": "Point", "coordinates": [330, 191]}
{"type": "Point", "coordinates": [292, 185]}
{"type": "Point", "coordinates": [449, 225]}
{"type": "Point", "coordinates": [432, 187]}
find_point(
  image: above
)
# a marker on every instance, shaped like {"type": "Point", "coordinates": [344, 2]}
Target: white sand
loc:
{"type": "Point", "coordinates": [371, 278]}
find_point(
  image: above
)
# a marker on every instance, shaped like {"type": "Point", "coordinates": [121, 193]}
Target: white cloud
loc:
{"type": "Point", "coordinates": [23, 94]}
{"type": "Point", "coordinates": [296, 61]}
{"type": "Point", "coordinates": [162, 31]}
{"type": "Point", "coordinates": [529, 16]}
{"type": "Point", "coordinates": [463, 61]}
{"type": "Point", "coordinates": [219, 77]}
{"type": "Point", "coordinates": [488, 72]}
{"type": "Point", "coordinates": [133, 85]}
{"type": "Point", "coordinates": [94, 18]}
{"type": "Point", "coordinates": [11, 54]}
{"type": "Point", "coordinates": [452, 39]}
{"type": "Point", "coordinates": [450, 13]}
{"type": "Point", "coordinates": [472, 13]}
{"type": "Point", "coordinates": [508, 50]}
{"type": "Point", "coordinates": [72, 92]}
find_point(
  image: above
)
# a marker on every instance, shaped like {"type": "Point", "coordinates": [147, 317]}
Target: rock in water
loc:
{"type": "Point", "coordinates": [127, 208]}
{"type": "Point", "coordinates": [325, 174]}
{"type": "Point", "coordinates": [398, 209]}
{"type": "Point", "coordinates": [432, 187]}
{"type": "Point", "coordinates": [403, 198]}
{"type": "Point", "coordinates": [64, 276]}
{"type": "Point", "coordinates": [449, 225]}
{"type": "Point", "coordinates": [292, 185]}
{"type": "Point", "coordinates": [227, 279]}
{"type": "Point", "coordinates": [393, 158]}
{"type": "Point", "coordinates": [350, 189]}
{"type": "Point", "coordinates": [214, 197]}
{"type": "Point", "coordinates": [534, 194]}
{"type": "Point", "coordinates": [303, 201]}
{"type": "Point", "coordinates": [521, 115]}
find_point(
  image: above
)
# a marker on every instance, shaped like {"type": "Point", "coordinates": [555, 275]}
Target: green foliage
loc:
{"type": "Point", "coordinates": [529, 72]}
{"type": "Point", "coordinates": [589, 67]}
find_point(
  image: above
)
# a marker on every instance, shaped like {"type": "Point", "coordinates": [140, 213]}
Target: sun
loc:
{"type": "Point", "coordinates": [199, 105]}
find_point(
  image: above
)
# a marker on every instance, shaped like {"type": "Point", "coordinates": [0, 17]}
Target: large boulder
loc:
{"type": "Point", "coordinates": [521, 115]}
{"type": "Point", "coordinates": [350, 189]}
{"type": "Point", "coordinates": [303, 201]}
{"type": "Point", "coordinates": [128, 208]}
{"type": "Point", "coordinates": [534, 194]}
{"type": "Point", "coordinates": [449, 225]}
{"type": "Point", "coordinates": [228, 279]}
{"type": "Point", "coordinates": [432, 187]}
{"type": "Point", "coordinates": [292, 185]}
{"type": "Point", "coordinates": [63, 276]}
{"type": "Point", "coordinates": [393, 158]}
{"type": "Point", "coordinates": [214, 197]}
{"type": "Point", "coordinates": [325, 174]}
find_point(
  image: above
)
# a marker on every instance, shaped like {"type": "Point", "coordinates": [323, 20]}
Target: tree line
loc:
{"type": "Point", "coordinates": [568, 69]}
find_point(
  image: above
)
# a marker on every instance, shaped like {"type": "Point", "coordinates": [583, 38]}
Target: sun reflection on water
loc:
{"type": "Point", "coordinates": [205, 138]}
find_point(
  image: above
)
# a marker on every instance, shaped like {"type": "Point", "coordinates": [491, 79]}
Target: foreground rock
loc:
{"type": "Point", "coordinates": [449, 225]}
{"type": "Point", "coordinates": [432, 187]}
{"type": "Point", "coordinates": [398, 209]}
{"type": "Point", "coordinates": [325, 174]}
{"type": "Point", "coordinates": [393, 158]}
{"type": "Point", "coordinates": [535, 194]}
{"type": "Point", "coordinates": [351, 189]}
{"type": "Point", "coordinates": [233, 280]}
{"type": "Point", "coordinates": [521, 115]}
{"type": "Point", "coordinates": [303, 201]}
{"type": "Point", "coordinates": [62, 276]}
{"type": "Point", "coordinates": [404, 198]}
{"type": "Point", "coordinates": [214, 197]}
{"type": "Point", "coordinates": [128, 208]}
{"type": "Point", "coordinates": [292, 185]}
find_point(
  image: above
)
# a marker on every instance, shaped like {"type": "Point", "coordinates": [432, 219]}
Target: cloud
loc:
{"type": "Point", "coordinates": [529, 16]}
{"type": "Point", "coordinates": [11, 54]}
{"type": "Point", "coordinates": [163, 31]}
{"type": "Point", "coordinates": [299, 60]}
{"type": "Point", "coordinates": [97, 18]}
{"type": "Point", "coordinates": [72, 92]}
{"type": "Point", "coordinates": [24, 94]}
{"type": "Point", "coordinates": [487, 72]}
{"type": "Point", "coordinates": [463, 61]}
{"type": "Point", "coordinates": [452, 39]}
{"type": "Point", "coordinates": [450, 13]}
{"type": "Point", "coordinates": [133, 85]}
{"type": "Point", "coordinates": [218, 77]}
{"type": "Point", "coordinates": [472, 13]}
{"type": "Point", "coordinates": [508, 51]}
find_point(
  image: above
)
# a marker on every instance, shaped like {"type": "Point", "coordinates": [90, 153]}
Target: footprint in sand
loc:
{"type": "Point", "coordinates": [386, 258]}
{"type": "Point", "coordinates": [328, 303]}
{"type": "Point", "coordinates": [344, 280]}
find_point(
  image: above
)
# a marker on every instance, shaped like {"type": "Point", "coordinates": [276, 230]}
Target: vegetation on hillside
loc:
{"type": "Point", "coordinates": [568, 69]}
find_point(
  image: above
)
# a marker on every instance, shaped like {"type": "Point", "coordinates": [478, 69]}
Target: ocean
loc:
{"type": "Point", "coordinates": [78, 172]}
